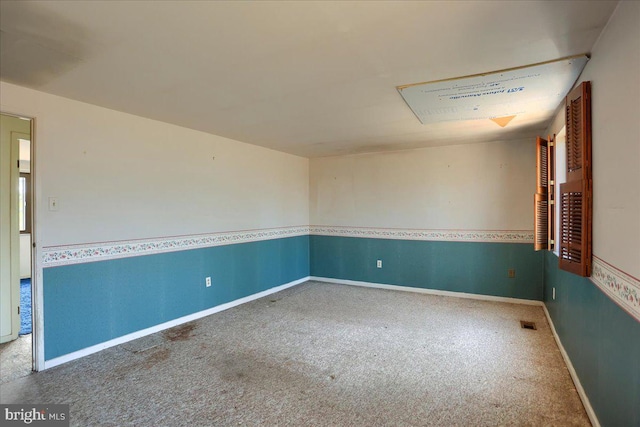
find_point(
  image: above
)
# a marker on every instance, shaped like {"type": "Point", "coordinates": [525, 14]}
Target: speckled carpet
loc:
{"type": "Point", "coordinates": [15, 359]}
{"type": "Point", "coordinates": [325, 355]}
{"type": "Point", "coordinates": [25, 306]}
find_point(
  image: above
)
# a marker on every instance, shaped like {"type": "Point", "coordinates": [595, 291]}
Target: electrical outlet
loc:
{"type": "Point", "coordinates": [511, 273]}
{"type": "Point", "coordinates": [379, 263]}
{"type": "Point", "coordinates": [208, 281]}
{"type": "Point", "coordinates": [554, 293]}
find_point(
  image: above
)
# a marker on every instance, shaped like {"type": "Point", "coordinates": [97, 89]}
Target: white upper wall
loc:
{"type": "Point", "coordinates": [614, 72]}
{"type": "Point", "coordinates": [118, 176]}
{"type": "Point", "coordinates": [486, 186]}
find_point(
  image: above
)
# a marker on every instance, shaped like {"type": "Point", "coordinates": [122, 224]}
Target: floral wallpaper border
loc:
{"type": "Point", "coordinates": [619, 286]}
{"type": "Point", "coordinates": [498, 236]}
{"type": "Point", "coordinates": [76, 254]}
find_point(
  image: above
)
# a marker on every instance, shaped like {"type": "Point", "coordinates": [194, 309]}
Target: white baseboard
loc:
{"type": "Point", "coordinates": [428, 291]}
{"type": "Point", "coordinates": [574, 376]}
{"type": "Point", "coordinates": [166, 325]}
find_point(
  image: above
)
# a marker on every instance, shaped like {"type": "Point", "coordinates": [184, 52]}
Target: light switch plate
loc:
{"type": "Point", "coordinates": [53, 204]}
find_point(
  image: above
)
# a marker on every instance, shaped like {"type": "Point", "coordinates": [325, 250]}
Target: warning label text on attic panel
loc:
{"type": "Point", "coordinates": [533, 89]}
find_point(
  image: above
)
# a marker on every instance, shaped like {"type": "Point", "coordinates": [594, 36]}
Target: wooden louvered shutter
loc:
{"type": "Point", "coordinates": [544, 216]}
{"type": "Point", "coordinates": [576, 193]}
{"type": "Point", "coordinates": [541, 202]}
{"type": "Point", "coordinates": [575, 244]}
{"type": "Point", "coordinates": [578, 125]}
{"type": "Point", "coordinates": [551, 192]}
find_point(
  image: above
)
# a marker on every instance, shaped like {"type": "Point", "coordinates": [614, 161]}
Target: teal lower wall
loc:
{"type": "Point", "coordinates": [479, 268]}
{"type": "Point", "coordinates": [602, 341]}
{"type": "Point", "coordinates": [90, 303]}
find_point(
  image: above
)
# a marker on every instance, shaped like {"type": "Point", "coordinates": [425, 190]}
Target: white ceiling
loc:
{"type": "Point", "coordinates": [307, 78]}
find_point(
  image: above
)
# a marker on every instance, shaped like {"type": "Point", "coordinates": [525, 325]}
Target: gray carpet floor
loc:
{"type": "Point", "coordinates": [15, 358]}
{"type": "Point", "coordinates": [325, 355]}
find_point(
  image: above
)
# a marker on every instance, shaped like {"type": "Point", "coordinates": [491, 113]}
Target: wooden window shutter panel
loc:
{"type": "Point", "coordinates": [578, 126]}
{"type": "Point", "coordinates": [540, 200]}
{"type": "Point", "coordinates": [575, 196]}
{"type": "Point", "coordinates": [575, 228]}
{"type": "Point", "coordinates": [541, 224]}
{"type": "Point", "coordinates": [542, 166]}
{"type": "Point", "coordinates": [551, 196]}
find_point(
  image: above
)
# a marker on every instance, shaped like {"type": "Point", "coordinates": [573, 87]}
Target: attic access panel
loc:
{"type": "Point", "coordinates": [498, 96]}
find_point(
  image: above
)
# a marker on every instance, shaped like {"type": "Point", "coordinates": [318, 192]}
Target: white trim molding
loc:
{"type": "Point", "coordinates": [492, 236]}
{"type": "Point", "coordinates": [166, 325]}
{"type": "Point", "coordinates": [427, 291]}
{"type": "Point", "coordinates": [75, 254]}
{"type": "Point", "coordinates": [622, 288]}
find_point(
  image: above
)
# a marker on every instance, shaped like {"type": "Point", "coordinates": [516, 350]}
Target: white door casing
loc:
{"type": "Point", "coordinates": [11, 129]}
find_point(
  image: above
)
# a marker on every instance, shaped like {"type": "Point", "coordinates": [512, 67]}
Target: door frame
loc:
{"type": "Point", "coordinates": [11, 233]}
{"type": "Point", "coordinates": [37, 303]}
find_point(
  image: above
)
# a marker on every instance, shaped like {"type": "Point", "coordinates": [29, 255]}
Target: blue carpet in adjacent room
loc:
{"type": "Point", "coordinates": [25, 306]}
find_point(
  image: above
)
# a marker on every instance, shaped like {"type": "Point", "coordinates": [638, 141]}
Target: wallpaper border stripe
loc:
{"type": "Point", "coordinates": [76, 254]}
{"type": "Point", "coordinates": [495, 236]}
{"type": "Point", "coordinates": [621, 287]}
{"type": "Point", "coordinates": [89, 252]}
